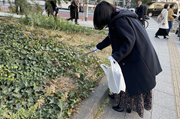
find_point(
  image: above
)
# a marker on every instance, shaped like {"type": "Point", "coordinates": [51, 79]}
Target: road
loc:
{"type": "Point", "coordinates": [62, 12]}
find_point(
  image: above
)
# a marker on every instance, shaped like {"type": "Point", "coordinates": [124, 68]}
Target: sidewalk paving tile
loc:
{"type": "Point", "coordinates": [134, 115]}
{"type": "Point", "coordinates": [164, 77]}
{"type": "Point", "coordinates": [164, 87]}
{"type": "Point", "coordinates": [164, 100]}
{"type": "Point", "coordinates": [159, 112]}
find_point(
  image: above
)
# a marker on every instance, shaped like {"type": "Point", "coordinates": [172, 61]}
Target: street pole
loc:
{"type": "Point", "coordinates": [123, 2]}
{"type": "Point", "coordinates": [86, 18]}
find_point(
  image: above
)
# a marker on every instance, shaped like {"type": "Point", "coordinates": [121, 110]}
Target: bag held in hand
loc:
{"type": "Point", "coordinates": [115, 77]}
{"type": "Point", "coordinates": [160, 18]}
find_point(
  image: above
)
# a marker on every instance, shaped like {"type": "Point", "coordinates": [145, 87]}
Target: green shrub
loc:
{"type": "Point", "coordinates": [35, 19]}
{"type": "Point", "coordinates": [27, 62]}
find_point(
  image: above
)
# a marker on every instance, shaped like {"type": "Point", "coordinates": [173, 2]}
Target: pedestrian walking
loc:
{"type": "Point", "coordinates": [51, 8]}
{"type": "Point", "coordinates": [179, 27]}
{"type": "Point", "coordinates": [81, 8]}
{"type": "Point", "coordinates": [163, 25]}
{"type": "Point", "coordinates": [18, 6]}
{"type": "Point", "coordinates": [140, 12]}
{"type": "Point", "coordinates": [170, 17]}
{"type": "Point", "coordinates": [74, 11]}
{"type": "Point", "coordinates": [139, 63]}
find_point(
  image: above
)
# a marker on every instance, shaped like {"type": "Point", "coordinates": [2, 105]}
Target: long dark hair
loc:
{"type": "Point", "coordinates": [166, 6]}
{"type": "Point", "coordinates": [103, 14]}
{"type": "Point", "coordinates": [172, 5]}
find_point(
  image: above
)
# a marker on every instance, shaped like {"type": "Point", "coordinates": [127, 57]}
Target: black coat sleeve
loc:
{"type": "Point", "coordinates": [53, 4]}
{"type": "Point", "coordinates": [136, 10]}
{"type": "Point", "coordinates": [126, 33]}
{"type": "Point", "coordinates": [106, 42]}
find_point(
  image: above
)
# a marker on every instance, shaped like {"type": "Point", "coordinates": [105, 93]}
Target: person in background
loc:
{"type": "Point", "coordinates": [170, 17]}
{"type": "Point", "coordinates": [133, 51]}
{"type": "Point", "coordinates": [18, 5]}
{"type": "Point", "coordinates": [74, 11]}
{"type": "Point", "coordinates": [140, 12]}
{"type": "Point", "coordinates": [179, 27]}
{"type": "Point", "coordinates": [163, 26]}
{"type": "Point", "coordinates": [51, 8]}
{"type": "Point", "coordinates": [81, 9]}
{"type": "Point", "coordinates": [71, 11]}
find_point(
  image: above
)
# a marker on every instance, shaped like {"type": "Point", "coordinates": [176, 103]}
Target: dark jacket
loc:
{"type": "Point", "coordinates": [179, 26]}
{"type": "Point", "coordinates": [53, 5]}
{"type": "Point", "coordinates": [140, 11]}
{"type": "Point", "coordinates": [74, 10]}
{"type": "Point", "coordinates": [132, 49]}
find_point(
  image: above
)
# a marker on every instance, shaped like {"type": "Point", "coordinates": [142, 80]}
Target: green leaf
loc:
{"type": "Point", "coordinates": [63, 106]}
{"type": "Point", "coordinates": [18, 95]}
{"type": "Point", "coordinates": [18, 106]}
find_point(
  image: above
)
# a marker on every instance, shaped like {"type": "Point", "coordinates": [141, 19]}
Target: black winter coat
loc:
{"type": "Point", "coordinates": [132, 49]}
{"type": "Point", "coordinates": [140, 11]}
{"type": "Point", "coordinates": [53, 5]}
{"type": "Point", "coordinates": [74, 10]}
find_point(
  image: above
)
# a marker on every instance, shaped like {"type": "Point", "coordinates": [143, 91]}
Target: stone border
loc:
{"type": "Point", "coordinates": [175, 69]}
{"type": "Point", "coordinates": [90, 106]}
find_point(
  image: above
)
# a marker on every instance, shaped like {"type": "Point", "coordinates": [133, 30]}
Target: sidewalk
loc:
{"type": "Point", "coordinates": [40, 2]}
{"type": "Point", "coordinates": [166, 103]}
{"type": "Point", "coordinates": [62, 15]}
{"type": "Point", "coordinates": [80, 22]}
{"type": "Point", "coordinates": [9, 14]}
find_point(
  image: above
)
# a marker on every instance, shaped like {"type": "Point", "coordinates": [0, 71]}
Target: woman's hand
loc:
{"type": "Point", "coordinates": [111, 58]}
{"type": "Point", "coordinates": [96, 49]}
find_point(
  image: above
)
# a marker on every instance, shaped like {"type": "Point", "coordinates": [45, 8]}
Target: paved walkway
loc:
{"type": "Point", "coordinates": [62, 15]}
{"type": "Point", "coordinates": [81, 23]}
{"type": "Point", "coordinates": [166, 94]}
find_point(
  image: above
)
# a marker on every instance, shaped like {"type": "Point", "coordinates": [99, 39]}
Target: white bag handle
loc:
{"type": "Point", "coordinates": [114, 76]}
{"type": "Point", "coordinates": [104, 67]}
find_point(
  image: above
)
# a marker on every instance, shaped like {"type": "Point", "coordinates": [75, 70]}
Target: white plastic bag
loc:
{"type": "Point", "coordinates": [160, 18]}
{"type": "Point", "coordinates": [115, 77]}
{"type": "Point", "coordinates": [44, 12]}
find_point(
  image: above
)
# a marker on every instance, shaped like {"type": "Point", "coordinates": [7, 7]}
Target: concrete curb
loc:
{"type": "Point", "coordinates": [90, 106]}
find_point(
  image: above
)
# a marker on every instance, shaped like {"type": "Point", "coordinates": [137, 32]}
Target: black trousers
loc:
{"type": "Point", "coordinates": [17, 8]}
{"type": "Point", "coordinates": [142, 22]}
{"type": "Point", "coordinates": [74, 15]}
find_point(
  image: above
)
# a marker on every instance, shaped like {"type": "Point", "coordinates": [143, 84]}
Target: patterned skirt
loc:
{"type": "Point", "coordinates": [136, 103]}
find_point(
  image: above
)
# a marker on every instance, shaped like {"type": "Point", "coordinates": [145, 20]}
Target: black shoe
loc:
{"type": "Point", "coordinates": [157, 37]}
{"type": "Point", "coordinates": [176, 32]}
{"type": "Point", "coordinates": [128, 110]}
{"type": "Point", "coordinates": [118, 109]}
{"type": "Point", "coordinates": [111, 96]}
{"type": "Point", "coordinates": [166, 38]}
